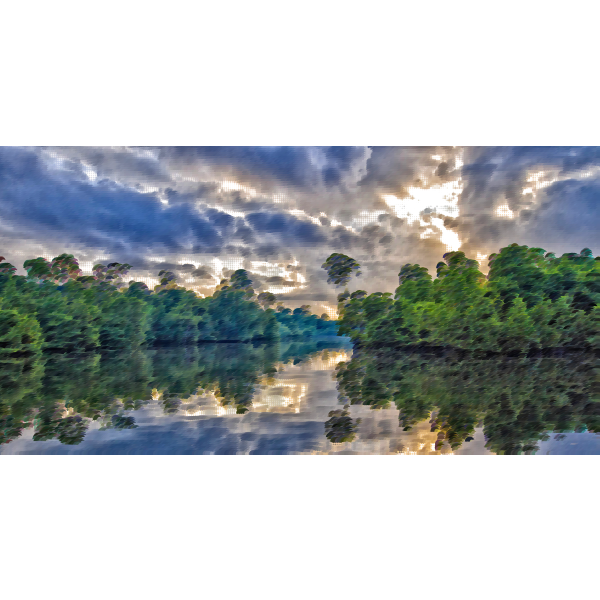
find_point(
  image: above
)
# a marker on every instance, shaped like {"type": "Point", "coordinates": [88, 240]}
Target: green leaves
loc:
{"type": "Point", "coordinates": [340, 269]}
{"type": "Point", "coordinates": [59, 270]}
{"type": "Point", "coordinates": [266, 299]}
{"type": "Point", "coordinates": [6, 268]}
{"type": "Point", "coordinates": [112, 274]}
{"type": "Point", "coordinates": [530, 300]}
{"type": "Point", "coordinates": [20, 335]}
{"type": "Point", "coordinates": [38, 269]}
{"type": "Point", "coordinates": [415, 283]}
{"type": "Point", "coordinates": [413, 273]}
{"type": "Point", "coordinates": [124, 322]}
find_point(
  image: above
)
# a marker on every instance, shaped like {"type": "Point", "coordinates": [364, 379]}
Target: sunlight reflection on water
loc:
{"type": "Point", "coordinates": [288, 410]}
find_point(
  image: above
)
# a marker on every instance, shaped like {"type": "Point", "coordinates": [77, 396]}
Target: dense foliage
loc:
{"type": "Point", "coordinates": [60, 395]}
{"type": "Point", "coordinates": [530, 301]}
{"type": "Point", "coordinates": [56, 308]}
{"type": "Point", "coordinates": [517, 400]}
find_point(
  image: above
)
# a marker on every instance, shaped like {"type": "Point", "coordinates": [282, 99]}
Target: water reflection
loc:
{"type": "Point", "coordinates": [307, 398]}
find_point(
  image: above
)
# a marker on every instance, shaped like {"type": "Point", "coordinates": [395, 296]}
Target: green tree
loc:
{"type": "Point", "coordinates": [137, 289]}
{"type": "Point", "coordinates": [271, 326]}
{"type": "Point", "coordinates": [124, 322]}
{"type": "Point", "coordinates": [6, 268]}
{"type": "Point", "coordinates": [59, 270]}
{"type": "Point", "coordinates": [518, 331]}
{"type": "Point", "coordinates": [112, 274]}
{"type": "Point", "coordinates": [20, 336]}
{"type": "Point", "coordinates": [266, 299]}
{"type": "Point", "coordinates": [518, 271]}
{"type": "Point", "coordinates": [340, 269]}
{"type": "Point", "coordinates": [234, 317]}
{"type": "Point", "coordinates": [240, 280]}
{"type": "Point", "coordinates": [340, 427]}
{"type": "Point", "coordinates": [415, 283]}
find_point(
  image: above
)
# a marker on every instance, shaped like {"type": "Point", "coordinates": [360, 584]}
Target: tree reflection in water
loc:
{"type": "Point", "coordinates": [519, 401]}
{"type": "Point", "coordinates": [389, 401]}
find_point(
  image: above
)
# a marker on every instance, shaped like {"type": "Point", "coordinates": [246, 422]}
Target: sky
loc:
{"type": "Point", "coordinates": [278, 212]}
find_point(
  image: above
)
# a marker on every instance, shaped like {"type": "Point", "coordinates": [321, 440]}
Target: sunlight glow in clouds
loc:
{"type": "Point", "coordinates": [305, 201]}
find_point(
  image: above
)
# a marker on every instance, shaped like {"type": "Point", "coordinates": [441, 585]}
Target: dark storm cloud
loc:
{"type": "Point", "coordinates": [276, 280]}
{"type": "Point", "coordinates": [288, 165]}
{"type": "Point", "coordinates": [331, 176]}
{"type": "Point", "coordinates": [244, 234]}
{"type": "Point", "coordinates": [273, 251]}
{"type": "Point", "coordinates": [52, 200]}
{"type": "Point", "coordinates": [370, 230]}
{"type": "Point", "coordinates": [340, 160]}
{"type": "Point", "coordinates": [317, 294]}
{"type": "Point", "coordinates": [268, 167]}
{"type": "Point", "coordinates": [203, 273]}
{"type": "Point", "coordinates": [493, 176]}
{"type": "Point", "coordinates": [246, 252]}
{"type": "Point", "coordinates": [346, 239]}
{"type": "Point", "coordinates": [197, 191]}
{"type": "Point", "coordinates": [104, 214]}
{"type": "Point", "coordinates": [287, 226]}
{"type": "Point", "coordinates": [568, 219]}
{"type": "Point", "coordinates": [581, 157]}
{"type": "Point", "coordinates": [113, 163]}
{"type": "Point", "coordinates": [343, 156]}
{"type": "Point", "coordinates": [392, 169]}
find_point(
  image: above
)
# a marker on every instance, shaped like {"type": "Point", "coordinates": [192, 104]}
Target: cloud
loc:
{"type": "Point", "coordinates": [155, 206]}
{"type": "Point", "coordinates": [203, 273]}
{"type": "Point", "coordinates": [250, 165]}
{"type": "Point", "coordinates": [290, 228]}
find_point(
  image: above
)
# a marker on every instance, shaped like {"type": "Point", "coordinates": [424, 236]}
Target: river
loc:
{"type": "Point", "coordinates": [258, 399]}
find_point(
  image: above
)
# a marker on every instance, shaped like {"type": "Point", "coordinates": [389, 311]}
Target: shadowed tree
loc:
{"type": "Point", "coordinates": [38, 269]}
{"type": "Point", "coordinates": [20, 335]}
{"type": "Point", "coordinates": [266, 299]}
{"type": "Point", "coordinates": [240, 280]}
{"type": "Point", "coordinates": [518, 271]}
{"type": "Point", "coordinates": [138, 289]}
{"type": "Point", "coordinates": [112, 274]}
{"type": "Point", "coordinates": [59, 270]}
{"type": "Point", "coordinates": [340, 270]}
{"type": "Point", "coordinates": [340, 427]}
{"type": "Point", "coordinates": [6, 268]}
{"type": "Point", "coordinates": [415, 283]}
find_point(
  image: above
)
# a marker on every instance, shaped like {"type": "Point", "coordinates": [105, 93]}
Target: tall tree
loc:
{"type": "Point", "coordinates": [266, 299]}
{"type": "Point", "coordinates": [340, 269]}
{"type": "Point", "coordinates": [240, 280]}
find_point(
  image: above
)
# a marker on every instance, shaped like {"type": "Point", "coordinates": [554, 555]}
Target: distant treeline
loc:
{"type": "Point", "coordinates": [56, 308]}
{"type": "Point", "coordinates": [530, 300]}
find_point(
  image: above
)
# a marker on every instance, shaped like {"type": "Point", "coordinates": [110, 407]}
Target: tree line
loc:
{"type": "Point", "coordinates": [54, 307]}
{"type": "Point", "coordinates": [531, 300]}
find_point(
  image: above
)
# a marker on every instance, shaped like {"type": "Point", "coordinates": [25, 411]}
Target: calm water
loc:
{"type": "Point", "coordinates": [285, 399]}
